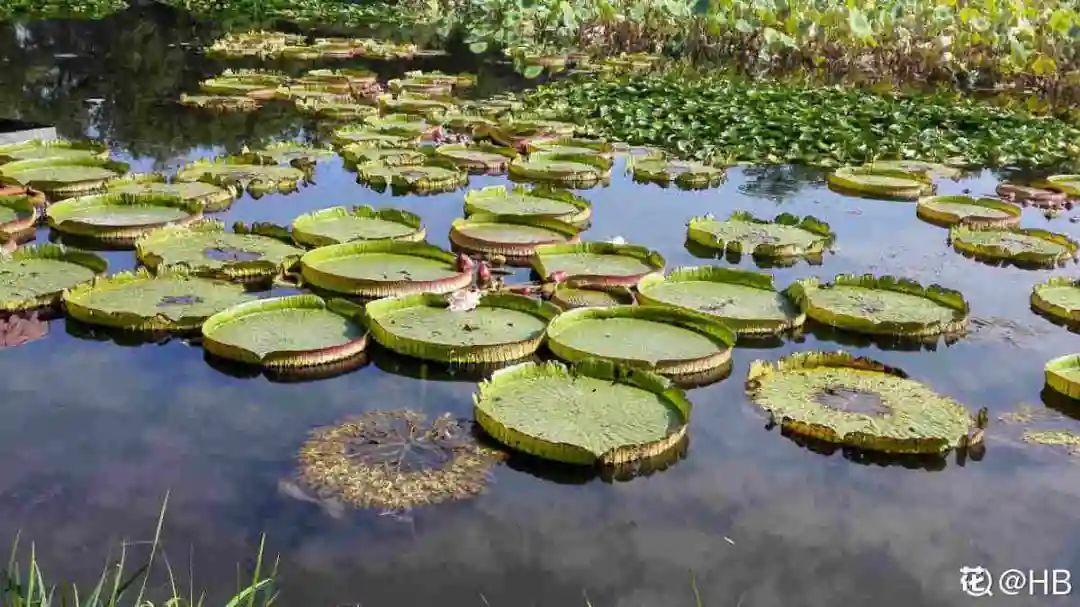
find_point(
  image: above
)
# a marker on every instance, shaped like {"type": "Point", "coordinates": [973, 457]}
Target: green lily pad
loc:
{"type": "Point", "coordinates": [382, 268]}
{"type": "Point", "coordinates": [492, 107]}
{"type": "Point", "coordinates": [62, 177]}
{"type": "Point", "coordinates": [415, 104]}
{"type": "Point", "coordinates": [477, 157]}
{"type": "Point", "coordinates": [212, 198]}
{"type": "Point", "coordinates": [1066, 184]}
{"type": "Point", "coordinates": [838, 398]}
{"type": "Point", "coordinates": [461, 122]}
{"type": "Point", "coordinates": [311, 91]}
{"type": "Point", "coordinates": [235, 172]}
{"type": "Point", "coordinates": [597, 264]}
{"type": "Point", "coordinates": [518, 133]}
{"type": "Point", "coordinates": [502, 327]}
{"type": "Point", "coordinates": [784, 236]}
{"type": "Point", "coordinates": [17, 214]}
{"type": "Point", "coordinates": [884, 183]}
{"type": "Point", "coordinates": [402, 125]}
{"type": "Point", "coordinates": [137, 301]}
{"type": "Point", "coordinates": [348, 77]}
{"type": "Point", "coordinates": [539, 201]}
{"type": "Point", "coordinates": [336, 225]}
{"type": "Point", "coordinates": [683, 173]}
{"type": "Point", "coordinates": [257, 84]}
{"type": "Point", "coordinates": [1059, 299]}
{"type": "Point", "coordinates": [58, 148]}
{"type": "Point", "coordinates": [919, 167]}
{"type": "Point", "coordinates": [747, 302]}
{"type": "Point", "coordinates": [335, 109]}
{"type": "Point", "coordinates": [883, 305]}
{"type": "Point", "coordinates": [1019, 245]}
{"type": "Point", "coordinates": [220, 103]}
{"type": "Point", "coordinates": [593, 413]}
{"type": "Point", "coordinates": [119, 218]}
{"type": "Point", "coordinates": [580, 170]}
{"type": "Point", "coordinates": [1063, 375]}
{"type": "Point", "coordinates": [36, 276]}
{"type": "Point", "coordinates": [423, 179]}
{"type": "Point", "coordinates": [512, 236]}
{"type": "Point", "coordinates": [287, 332]}
{"type": "Point", "coordinates": [364, 153]}
{"type": "Point", "coordinates": [953, 210]}
{"type": "Point", "coordinates": [462, 80]}
{"type": "Point", "coordinates": [291, 153]}
{"type": "Point", "coordinates": [571, 146]}
{"type": "Point", "coordinates": [255, 43]}
{"type": "Point", "coordinates": [569, 297]}
{"type": "Point", "coordinates": [206, 249]}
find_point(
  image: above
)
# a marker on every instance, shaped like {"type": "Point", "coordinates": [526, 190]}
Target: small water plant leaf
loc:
{"type": "Point", "coordinates": [289, 153]}
{"type": "Point", "coordinates": [382, 268]}
{"type": "Point", "coordinates": [365, 153]}
{"type": "Point", "coordinates": [36, 276]}
{"type": "Point", "coordinates": [1054, 438]}
{"type": "Point", "coordinates": [336, 225]}
{"type": "Point", "coordinates": [953, 210]}
{"type": "Point", "coordinates": [1019, 245]}
{"type": "Point", "coordinates": [18, 213]}
{"type": "Point", "coordinates": [205, 249]}
{"type": "Point", "coordinates": [597, 263]}
{"type": "Point", "coordinates": [220, 103]}
{"type": "Point", "coordinates": [784, 236]}
{"type": "Point", "coordinates": [539, 201]}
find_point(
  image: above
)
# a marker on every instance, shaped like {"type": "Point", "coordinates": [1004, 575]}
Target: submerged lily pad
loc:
{"type": "Point", "coordinates": [383, 268]}
{"type": "Point", "coordinates": [512, 236]}
{"type": "Point", "coordinates": [838, 398]}
{"type": "Point", "coordinates": [57, 148]}
{"type": "Point", "coordinates": [539, 201]}
{"type": "Point", "coordinates": [421, 178]}
{"type": "Point", "coordinates": [502, 327]}
{"type": "Point", "coordinates": [683, 173]}
{"type": "Point", "coordinates": [17, 214]}
{"type": "Point", "coordinates": [477, 157]}
{"type": "Point", "coordinates": [138, 301]}
{"type": "Point", "coordinates": [1020, 245]}
{"type": "Point", "coordinates": [784, 236]}
{"type": "Point", "coordinates": [212, 198]}
{"type": "Point", "coordinates": [61, 177]}
{"type": "Point", "coordinates": [576, 170]}
{"type": "Point", "coordinates": [594, 413]}
{"type": "Point", "coordinates": [220, 103]}
{"type": "Point", "coordinates": [953, 210]}
{"type": "Point", "coordinates": [1059, 299]}
{"type": "Point", "coordinates": [886, 183]}
{"type": "Point", "coordinates": [37, 276]}
{"type": "Point", "coordinates": [883, 305]}
{"type": "Point", "coordinates": [747, 302]}
{"type": "Point", "coordinates": [119, 218]}
{"type": "Point", "coordinates": [396, 460]}
{"type": "Point", "coordinates": [1063, 375]}
{"type": "Point", "coordinates": [206, 249]}
{"type": "Point", "coordinates": [297, 331]}
{"type": "Point", "coordinates": [336, 225]}
{"type": "Point", "coordinates": [597, 264]}
{"type": "Point", "coordinates": [235, 172]}
{"type": "Point", "coordinates": [1055, 438]}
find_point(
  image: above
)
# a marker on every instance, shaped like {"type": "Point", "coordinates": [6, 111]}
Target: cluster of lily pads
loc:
{"type": "Point", "coordinates": [264, 44]}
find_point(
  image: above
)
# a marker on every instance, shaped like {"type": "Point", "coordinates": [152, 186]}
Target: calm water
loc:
{"type": "Point", "coordinates": [93, 433]}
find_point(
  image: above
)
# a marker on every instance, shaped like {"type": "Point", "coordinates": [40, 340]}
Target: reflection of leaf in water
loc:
{"type": "Point", "coordinates": [19, 329]}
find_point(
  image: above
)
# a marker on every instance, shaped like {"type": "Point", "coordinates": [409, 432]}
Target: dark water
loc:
{"type": "Point", "coordinates": [93, 433]}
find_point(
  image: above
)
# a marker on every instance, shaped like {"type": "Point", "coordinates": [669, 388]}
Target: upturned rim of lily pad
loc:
{"type": "Point", "coordinates": [849, 180]}
{"type": "Point", "coordinates": [429, 107]}
{"type": "Point", "coordinates": [923, 167]}
{"type": "Point", "coordinates": [334, 109]}
{"type": "Point", "coordinates": [432, 177]}
{"type": "Point", "coordinates": [375, 313]}
{"type": "Point", "coordinates": [276, 179]}
{"type": "Point", "coordinates": [403, 125]}
{"type": "Point", "coordinates": [220, 103]}
{"type": "Point", "coordinates": [600, 147]}
{"type": "Point", "coordinates": [93, 149]}
{"type": "Point", "coordinates": [254, 83]}
{"type": "Point", "coordinates": [26, 212]}
{"type": "Point", "coordinates": [563, 295]}
{"type": "Point", "coordinates": [289, 358]}
{"type": "Point", "coordinates": [517, 251]}
{"type": "Point", "coordinates": [303, 226]}
{"type": "Point", "coordinates": [217, 199]}
{"type": "Point", "coordinates": [95, 263]}
{"type": "Point", "coordinates": [303, 156]}
{"type": "Point", "coordinates": [959, 238]}
{"type": "Point", "coordinates": [356, 154]}
{"type": "Point", "coordinates": [496, 158]}
{"type": "Point", "coordinates": [517, 133]}
{"type": "Point", "coordinates": [935, 210]}
{"type": "Point", "coordinates": [821, 231]}
{"type": "Point", "coordinates": [474, 199]}
{"type": "Point", "coordinates": [806, 418]}
{"type": "Point", "coordinates": [697, 175]}
{"type": "Point", "coordinates": [641, 253]}
{"type": "Point", "coordinates": [801, 292]}
{"type": "Point", "coordinates": [1069, 316]}
{"type": "Point", "coordinates": [671, 397]}
{"type": "Point", "coordinates": [62, 188]}
{"type": "Point", "coordinates": [346, 135]}
{"type": "Point", "coordinates": [1068, 184]}
{"type": "Point", "coordinates": [1062, 375]}
{"type": "Point", "coordinates": [381, 288]}
{"type": "Point", "coordinates": [147, 250]}
{"type": "Point", "coordinates": [571, 169]}
{"type": "Point", "coordinates": [64, 216]}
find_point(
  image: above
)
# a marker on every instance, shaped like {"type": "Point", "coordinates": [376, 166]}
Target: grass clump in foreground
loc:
{"type": "Point", "coordinates": [731, 120]}
{"type": "Point", "coordinates": [123, 584]}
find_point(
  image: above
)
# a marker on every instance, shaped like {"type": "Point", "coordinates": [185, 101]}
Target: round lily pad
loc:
{"type": "Point", "coordinates": [62, 177]}
{"type": "Point", "coordinates": [36, 197]}
{"type": "Point", "coordinates": [309, 91]}
{"type": "Point", "coordinates": [784, 236]}
{"type": "Point", "coordinates": [579, 170]}
{"type": "Point", "coordinates": [1066, 184]}
{"type": "Point", "coordinates": [206, 249]}
{"type": "Point", "coordinates": [1030, 194]}
{"type": "Point", "coordinates": [461, 122]}
{"type": "Point", "coordinates": [257, 84]}
{"type": "Point", "coordinates": [953, 210]}
{"type": "Point", "coordinates": [119, 218]}
{"type": "Point", "coordinates": [382, 268]}
{"type": "Point", "coordinates": [403, 125]}
{"type": "Point", "coordinates": [462, 80]}
{"type": "Point", "coordinates": [670, 341]}
{"type": "Point", "coordinates": [422, 179]}
{"type": "Point", "coordinates": [287, 332]}
{"type": "Point", "coordinates": [137, 301]}
{"type": "Point", "coordinates": [519, 133]}
{"type": "Point", "coordinates": [212, 198]}
{"type": "Point", "coordinates": [57, 148]}
{"type": "Point", "coordinates": [594, 413]}
{"type": "Point", "coordinates": [747, 302]}
{"type": "Point", "coordinates": [884, 183]}
{"type": "Point", "coordinates": [512, 236]}
{"type": "Point", "coordinates": [235, 172]}
{"type": "Point", "coordinates": [415, 104]}
{"type": "Point", "coordinates": [17, 214]}
{"type": "Point", "coordinates": [36, 276]}
{"type": "Point", "coordinates": [346, 77]}
{"type": "Point", "coordinates": [918, 167]}
{"type": "Point", "coordinates": [299, 155]}
{"type": "Point", "coordinates": [1018, 245]}
{"type": "Point", "coordinates": [365, 153]}
{"type": "Point", "coordinates": [883, 305]}
{"type": "Point", "coordinates": [1059, 299]}
{"type": "Point", "coordinates": [841, 399]}
{"type": "Point", "coordinates": [597, 264]}
{"type": "Point", "coordinates": [539, 201]}
{"type": "Point", "coordinates": [477, 157]}
{"type": "Point", "coordinates": [334, 108]}
{"type": "Point", "coordinates": [574, 146]}
{"type": "Point", "coordinates": [502, 327]}
{"type": "Point", "coordinates": [336, 225]}
{"type": "Point", "coordinates": [220, 103]}
{"type": "Point", "coordinates": [492, 107]}
{"type": "Point", "coordinates": [569, 297]}
{"type": "Point", "coordinates": [363, 134]}
{"type": "Point", "coordinates": [1063, 375]}
{"type": "Point", "coordinates": [683, 173]}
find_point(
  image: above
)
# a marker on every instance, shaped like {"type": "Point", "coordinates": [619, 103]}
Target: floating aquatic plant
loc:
{"type": "Point", "coordinates": [56, 148]}
{"type": "Point", "coordinates": [784, 236]}
{"type": "Point", "coordinates": [569, 297]}
{"type": "Point", "coordinates": [236, 172]}
{"type": "Point", "coordinates": [1032, 195]}
{"type": "Point", "coordinates": [383, 268]}
{"type": "Point", "coordinates": [878, 182]}
{"type": "Point", "coordinates": [519, 133]}
{"type": "Point", "coordinates": [1066, 184]}
{"type": "Point", "coordinates": [257, 84]}
{"type": "Point", "coordinates": [431, 108]}
{"type": "Point", "coordinates": [336, 225]}
{"type": "Point", "coordinates": [428, 178]}
{"type": "Point", "coordinates": [1018, 245]}
{"type": "Point", "coordinates": [515, 237]}
{"type": "Point", "coordinates": [538, 201]}
{"type": "Point", "coordinates": [402, 125]}
{"type": "Point", "coordinates": [581, 170]}
{"type": "Point", "coordinates": [574, 146]}
{"type": "Point", "coordinates": [220, 103]}
{"type": "Point", "coordinates": [1063, 375]}
{"type": "Point", "coordinates": [594, 413]}
{"type": "Point", "coordinates": [1059, 299]}
{"type": "Point", "coordinates": [119, 218]}
{"type": "Point", "coordinates": [687, 174]}
{"type": "Point", "coordinates": [922, 168]}
{"type": "Point", "coordinates": [62, 177]}
{"type": "Point", "coordinates": [365, 153]}
{"type": "Point", "coordinates": [212, 198]}
{"type": "Point", "coordinates": [477, 157]}
{"type": "Point", "coordinates": [335, 109]}
{"type": "Point", "coordinates": [597, 264]}
{"type": "Point", "coordinates": [18, 214]}
{"type": "Point", "coordinates": [1054, 438]}
{"type": "Point", "coordinates": [363, 134]}
{"type": "Point", "coordinates": [36, 276]}
{"type": "Point", "coordinates": [953, 210]}
{"type": "Point", "coordinates": [298, 155]}
{"type": "Point", "coordinates": [205, 249]}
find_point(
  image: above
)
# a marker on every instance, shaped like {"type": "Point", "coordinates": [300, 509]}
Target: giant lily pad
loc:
{"type": "Point", "coordinates": [119, 218]}
{"type": "Point", "coordinates": [62, 177]}
{"type": "Point", "coordinates": [383, 267]}
{"type": "Point", "coordinates": [539, 201]}
{"type": "Point", "coordinates": [347, 78]}
{"type": "Point", "coordinates": [335, 108]}
{"type": "Point", "coordinates": [502, 327]}
{"type": "Point", "coordinates": [953, 210]}
{"type": "Point", "coordinates": [477, 157]}
{"type": "Point", "coordinates": [212, 198]}
{"type": "Point", "coordinates": [220, 103]}
{"type": "Point", "coordinates": [257, 84]}
{"type": "Point", "coordinates": [310, 91]}
{"type": "Point", "coordinates": [460, 81]}
{"type": "Point", "coordinates": [37, 276]}
{"type": "Point", "coordinates": [298, 331]}
{"type": "Point", "coordinates": [58, 148]}
{"type": "Point", "coordinates": [365, 153]}
{"type": "Point", "coordinates": [138, 301]}
{"type": "Point", "coordinates": [403, 125]}
{"type": "Point", "coordinates": [519, 133]}
{"type": "Point", "coordinates": [1031, 194]}
{"type": "Point", "coordinates": [881, 305]}
{"type": "Point", "coordinates": [512, 236]}
{"type": "Point", "coordinates": [838, 398]}
{"type": "Point", "coordinates": [17, 214]}
{"type": "Point", "coordinates": [745, 301]}
{"type": "Point", "coordinates": [884, 183]}
{"type": "Point", "coordinates": [683, 173]}
{"type": "Point", "coordinates": [299, 155]}
{"type": "Point", "coordinates": [1063, 375]}
{"type": "Point", "coordinates": [424, 178]}
{"type": "Point", "coordinates": [576, 170]}
{"type": "Point", "coordinates": [1059, 299]}
{"type": "Point", "coordinates": [668, 340]}
{"type": "Point", "coordinates": [1019, 245]}
{"type": "Point", "coordinates": [568, 296]}
{"type": "Point", "coordinates": [346, 224]}
{"type": "Point", "coordinates": [255, 43]}
{"type": "Point", "coordinates": [593, 413]}
{"type": "Point", "coordinates": [918, 167]}
{"type": "Point", "coordinates": [415, 104]}
{"type": "Point", "coordinates": [396, 460]}
{"type": "Point", "coordinates": [235, 172]}
{"type": "Point", "coordinates": [573, 146]}
{"type": "Point", "coordinates": [363, 134]}
{"type": "Point", "coordinates": [206, 249]}
{"type": "Point", "coordinates": [784, 236]}
{"type": "Point", "coordinates": [1066, 184]}
{"type": "Point", "coordinates": [597, 264]}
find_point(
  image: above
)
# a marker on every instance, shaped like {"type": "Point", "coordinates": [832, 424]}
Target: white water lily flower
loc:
{"type": "Point", "coordinates": [463, 300]}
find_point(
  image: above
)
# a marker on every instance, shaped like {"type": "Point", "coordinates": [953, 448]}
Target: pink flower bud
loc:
{"type": "Point", "coordinates": [484, 274]}
{"type": "Point", "coordinates": [465, 263]}
{"type": "Point", "coordinates": [557, 276]}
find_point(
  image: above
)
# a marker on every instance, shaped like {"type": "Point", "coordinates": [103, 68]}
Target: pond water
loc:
{"type": "Point", "coordinates": [93, 432]}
